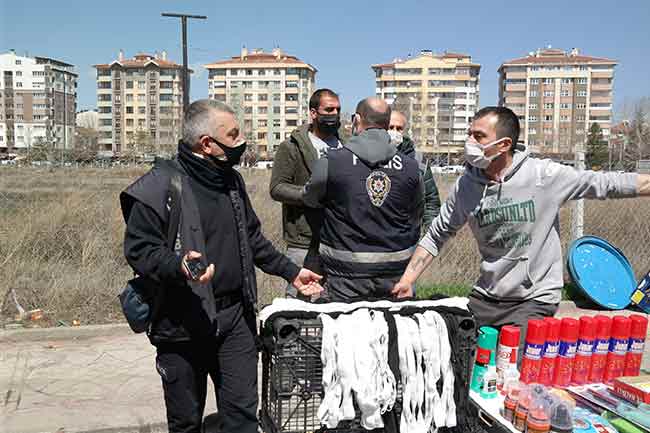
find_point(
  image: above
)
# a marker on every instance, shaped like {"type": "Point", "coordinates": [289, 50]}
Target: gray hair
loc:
{"type": "Point", "coordinates": [197, 119]}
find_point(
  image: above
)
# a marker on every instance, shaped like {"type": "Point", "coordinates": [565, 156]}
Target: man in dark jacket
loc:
{"type": "Point", "coordinates": [372, 200]}
{"type": "Point", "coordinates": [204, 325]}
{"type": "Point", "coordinates": [292, 168]}
{"type": "Point", "coordinates": [404, 144]}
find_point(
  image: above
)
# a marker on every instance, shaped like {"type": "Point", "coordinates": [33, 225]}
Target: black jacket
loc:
{"type": "Point", "coordinates": [431, 195]}
{"type": "Point", "coordinates": [184, 309]}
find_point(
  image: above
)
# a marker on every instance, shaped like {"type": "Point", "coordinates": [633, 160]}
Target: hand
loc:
{"type": "Point", "coordinates": [402, 290]}
{"type": "Point", "coordinates": [206, 276]}
{"type": "Point", "coordinates": [307, 282]}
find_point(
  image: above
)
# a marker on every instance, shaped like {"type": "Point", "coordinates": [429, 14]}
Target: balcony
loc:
{"type": "Point", "coordinates": [515, 87]}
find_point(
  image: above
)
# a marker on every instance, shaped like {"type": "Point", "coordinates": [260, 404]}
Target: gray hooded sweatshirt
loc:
{"type": "Point", "coordinates": [516, 223]}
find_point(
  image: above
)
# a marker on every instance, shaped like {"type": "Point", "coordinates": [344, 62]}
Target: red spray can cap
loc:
{"type": "Point", "coordinates": [587, 328]}
{"type": "Point", "coordinates": [536, 333]}
{"type": "Point", "coordinates": [552, 329]}
{"type": "Point", "coordinates": [603, 327]}
{"type": "Point", "coordinates": [639, 326]}
{"type": "Point", "coordinates": [621, 327]}
{"type": "Point", "coordinates": [569, 329]}
{"type": "Point", "coordinates": [509, 336]}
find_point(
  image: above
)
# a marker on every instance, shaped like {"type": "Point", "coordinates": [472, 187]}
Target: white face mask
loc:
{"type": "Point", "coordinates": [396, 137]}
{"type": "Point", "coordinates": [475, 153]}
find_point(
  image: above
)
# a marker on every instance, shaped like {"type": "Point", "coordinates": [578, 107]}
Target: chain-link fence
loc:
{"type": "Point", "coordinates": [62, 231]}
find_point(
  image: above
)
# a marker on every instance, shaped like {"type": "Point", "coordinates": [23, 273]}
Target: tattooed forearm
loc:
{"type": "Point", "coordinates": [419, 262]}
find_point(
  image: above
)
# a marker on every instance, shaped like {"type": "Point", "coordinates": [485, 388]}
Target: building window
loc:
{"type": "Point", "coordinates": [142, 110]}
{"type": "Point", "coordinates": [129, 110]}
{"type": "Point", "coordinates": [532, 118]}
{"type": "Point", "coordinates": [582, 81]}
{"type": "Point", "coordinates": [579, 132]}
{"type": "Point", "coordinates": [262, 97]}
{"type": "Point", "coordinates": [532, 106]}
{"type": "Point", "coordinates": [262, 110]}
{"type": "Point", "coordinates": [19, 84]}
{"type": "Point", "coordinates": [141, 98]}
{"type": "Point", "coordinates": [262, 123]}
{"type": "Point", "coordinates": [549, 80]}
{"type": "Point", "coordinates": [548, 106]}
{"type": "Point", "coordinates": [19, 62]}
{"type": "Point", "coordinates": [292, 122]}
{"type": "Point", "coordinates": [277, 123]}
{"type": "Point", "coordinates": [565, 106]}
{"type": "Point", "coordinates": [249, 72]}
{"type": "Point", "coordinates": [548, 131]}
{"type": "Point", "coordinates": [567, 80]}
{"type": "Point", "coordinates": [533, 93]}
{"type": "Point", "coordinates": [129, 97]}
{"type": "Point", "coordinates": [565, 118]}
{"type": "Point", "coordinates": [248, 97]}
{"type": "Point", "coordinates": [276, 110]}
{"type": "Point", "coordinates": [532, 131]}
{"type": "Point", "coordinates": [581, 106]}
{"type": "Point", "coordinates": [548, 93]}
{"type": "Point", "coordinates": [261, 135]}
{"type": "Point", "coordinates": [129, 84]}
{"type": "Point", "coordinates": [534, 81]}
{"type": "Point", "coordinates": [564, 93]}
{"type": "Point", "coordinates": [291, 110]}
{"type": "Point", "coordinates": [292, 84]}
{"type": "Point", "coordinates": [548, 118]}
{"type": "Point", "coordinates": [141, 85]}
{"type": "Point", "coordinates": [581, 93]}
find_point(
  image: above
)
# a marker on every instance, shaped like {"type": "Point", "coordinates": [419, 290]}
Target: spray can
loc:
{"type": "Point", "coordinates": [566, 355]}
{"type": "Point", "coordinates": [551, 348]}
{"type": "Point", "coordinates": [584, 350]}
{"type": "Point", "coordinates": [636, 344]}
{"type": "Point", "coordinates": [601, 348]}
{"type": "Point", "coordinates": [507, 351]}
{"type": "Point", "coordinates": [533, 351]}
{"type": "Point", "coordinates": [485, 354]}
{"type": "Point", "coordinates": [615, 366]}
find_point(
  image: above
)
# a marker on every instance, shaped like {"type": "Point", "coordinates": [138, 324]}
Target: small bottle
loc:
{"type": "Point", "coordinates": [526, 396]}
{"type": "Point", "coordinates": [601, 348]}
{"type": "Point", "coordinates": [636, 345]}
{"type": "Point", "coordinates": [584, 350]}
{"type": "Point", "coordinates": [489, 389]}
{"type": "Point", "coordinates": [538, 420]}
{"type": "Point", "coordinates": [510, 378]}
{"type": "Point", "coordinates": [615, 366]}
{"type": "Point", "coordinates": [561, 418]}
{"type": "Point", "coordinates": [551, 349]}
{"type": "Point", "coordinates": [480, 368]}
{"type": "Point", "coordinates": [507, 351]}
{"type": "Point", "coordinates": [510, 402]}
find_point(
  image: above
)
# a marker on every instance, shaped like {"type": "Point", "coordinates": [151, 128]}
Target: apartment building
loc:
{"type": "Point", "coordinates": [557, 95]}
{"type": "Point", "coordinates": [439, 93]}
{"type": "Point", "coordinates": [140, 102]}
{"type": "Point", "coordinates": [269, 91]}
{"type": "Point", "coordinates": [38, 102]}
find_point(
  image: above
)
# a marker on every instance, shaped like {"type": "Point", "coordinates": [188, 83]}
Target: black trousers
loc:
{"type": "Point", "coordinates": [341, 289]}
{"type": "Point", "coordinates": [231, 362]}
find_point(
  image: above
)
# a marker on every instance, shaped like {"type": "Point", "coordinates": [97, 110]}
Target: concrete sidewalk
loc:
{"type": "Point", "coordinates": [97, 379]}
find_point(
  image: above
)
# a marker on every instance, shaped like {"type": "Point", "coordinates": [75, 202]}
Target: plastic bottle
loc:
{"type": "Point", "coordinates": [584, 350]}
{"type": "Point", "coordinates": [601, 348]}
{"type": "Point", "coordinates": [615, 366]}
{"type": "Point", "coordinates": [510, 402]}
{"type": "Point", "coordinates": [636, 344]}
{"type": "Point", "coordinates": [561, 417]}
{"type": "Point", "coordinates": [510, 378]}
{"type": "Point", "coordinates": [551, 348]}
{"type": "Point", "coordinates": [507, 351]}
{"type": "Point", "coordinates": [485, 354]}
{"type": "Point", "coordinates": [489, 389]}
{"type": "Point", "coordinates": [538, 420]}
{"type": "Point", "coordinates": [566, 355]}
{"type": "Point", "coordinates": [533, 351]}
{"type": "Point", "coordinates": [526, 397]}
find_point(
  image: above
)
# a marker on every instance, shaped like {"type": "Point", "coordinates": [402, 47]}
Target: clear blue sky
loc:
{"type": "Point", "coordinates": [341, 38]}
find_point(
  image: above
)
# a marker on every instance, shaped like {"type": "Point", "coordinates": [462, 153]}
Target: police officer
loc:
{"type": "Point", "coordinates": [373, 197]}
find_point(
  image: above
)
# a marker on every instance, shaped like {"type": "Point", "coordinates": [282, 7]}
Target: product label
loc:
{"type": "Point", "coordinates": [534, 351]}
{"type": "Point", "coordinates": [585, 347]}
{"type": "Point", "coordinates": [636, 345]}
{"type": "Point", "coordinates": [551, 349]}
{"type": "Point", "coordinates": [602, 347]}
{"type": "Point", "coordinates": [568, 349]}
{"type": "Point", "coordinates": [504, 356]}
{"type": "Point", "coordinates": [618, 346]}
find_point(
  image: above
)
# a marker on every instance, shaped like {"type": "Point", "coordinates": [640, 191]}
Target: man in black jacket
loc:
{"type": "Point", "coordinates": [292, 168]}
{"type": "Point", "coordinates": [205, 325]}
{"type": "Point", "coordinates": [372, 200]}
{"type": "Point", "coordinates": [404, 144]}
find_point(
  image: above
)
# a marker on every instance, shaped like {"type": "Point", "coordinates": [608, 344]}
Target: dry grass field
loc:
{"type": "Point", "coordinates": [62, 230]}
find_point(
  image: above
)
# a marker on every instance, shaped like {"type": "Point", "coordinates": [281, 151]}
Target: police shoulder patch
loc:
{"type": "Point", "coordinates": [378, 187]}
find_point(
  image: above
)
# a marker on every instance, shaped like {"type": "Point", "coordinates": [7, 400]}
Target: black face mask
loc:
{"type": "Point", "coordinates": [328, 123]}
{"type": "Point", "coordinates": [233, 154]}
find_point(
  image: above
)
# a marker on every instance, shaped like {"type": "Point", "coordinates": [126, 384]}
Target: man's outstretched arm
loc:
{"type": "Point", "coordinates": [420, 260]}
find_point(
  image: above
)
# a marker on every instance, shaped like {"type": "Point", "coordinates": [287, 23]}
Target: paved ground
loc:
{"type": "Point", "coordinates": [93, 379]}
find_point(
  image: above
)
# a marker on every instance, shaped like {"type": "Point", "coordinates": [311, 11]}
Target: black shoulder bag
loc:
{"type": "Point", "coordinates": [138, 298]}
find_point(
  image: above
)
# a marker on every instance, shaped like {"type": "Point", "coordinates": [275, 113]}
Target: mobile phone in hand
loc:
{"type": "Point", "coordinates": [194, 268]}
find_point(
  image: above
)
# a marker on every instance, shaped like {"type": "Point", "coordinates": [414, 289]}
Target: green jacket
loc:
{"type": "Point", "coordinates": [292, 165]}
{"type": "Point", "coordinates": [431, 195]}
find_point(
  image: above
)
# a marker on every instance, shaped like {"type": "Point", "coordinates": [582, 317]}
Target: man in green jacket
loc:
{"type": "Point", "coordinates": [292, 167]}
{"type": "Point", "coordinates": [407, 146]}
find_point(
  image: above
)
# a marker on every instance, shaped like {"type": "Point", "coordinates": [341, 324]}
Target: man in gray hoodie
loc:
{"type": "Point", "coordinates": [511, 202]}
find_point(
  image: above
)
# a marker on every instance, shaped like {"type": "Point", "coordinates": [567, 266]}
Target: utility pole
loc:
{"type": "Point", "coordinates": [186, 74]}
